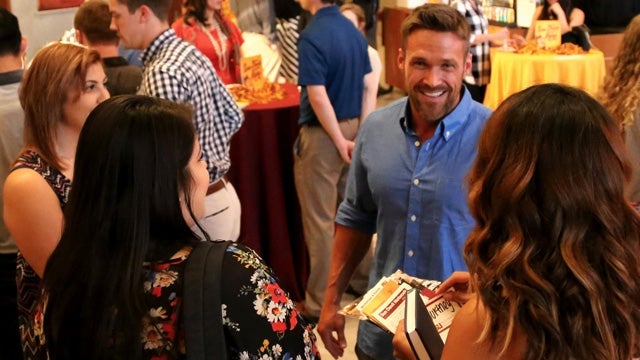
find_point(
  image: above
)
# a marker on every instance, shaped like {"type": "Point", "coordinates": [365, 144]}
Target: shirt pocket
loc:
{"type": "Point", "coordinates": [451, 198]}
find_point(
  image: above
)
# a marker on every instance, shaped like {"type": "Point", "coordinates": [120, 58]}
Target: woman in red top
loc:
{"type": "Point", "coordinates": [219, 39]}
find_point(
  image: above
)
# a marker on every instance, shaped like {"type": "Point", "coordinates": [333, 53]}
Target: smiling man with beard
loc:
{"type": "Point", "coordinates": [407, 177]}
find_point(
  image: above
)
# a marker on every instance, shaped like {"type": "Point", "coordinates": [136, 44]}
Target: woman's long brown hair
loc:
{"type": "Point", "coordinates": [555, 250]}
{"type": "Point", "coordinates": [56, 74]}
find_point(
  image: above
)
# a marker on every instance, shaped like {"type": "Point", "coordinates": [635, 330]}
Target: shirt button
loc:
{"type": "Point", "coordinates": [413, 218]}
{"type": "Point", "coordinates": [416, 181]}
{"type": "Point", "coordinates": [447, 134]}
{"type": "Point", "coordinates": [410, 253]}
{"type": "Point", "coordinates": [417, 143]}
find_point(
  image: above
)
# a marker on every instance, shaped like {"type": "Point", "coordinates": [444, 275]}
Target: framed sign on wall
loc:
{"type": "Point", "coordinates": [58, 4]}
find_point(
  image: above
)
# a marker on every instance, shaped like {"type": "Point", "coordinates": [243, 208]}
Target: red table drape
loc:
{"type": "Point", "coordinates": [262, 173]}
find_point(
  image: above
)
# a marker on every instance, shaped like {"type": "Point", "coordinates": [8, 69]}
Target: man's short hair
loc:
{"type": "Point", "coordinates": [159, 7]}
{"type": "Point", "coordinates": [436, 17]}
{"type": "Point", "coordinates": [10, 35]}
{"type": "Point", "coordinates": [93, 20]}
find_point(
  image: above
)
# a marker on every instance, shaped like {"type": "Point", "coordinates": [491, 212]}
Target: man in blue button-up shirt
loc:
{"type": "Point", "coordinates": [407, 176]}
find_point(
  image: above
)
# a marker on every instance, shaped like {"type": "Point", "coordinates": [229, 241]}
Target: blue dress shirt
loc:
{"type": "Point", "coordinates": [414, 195]}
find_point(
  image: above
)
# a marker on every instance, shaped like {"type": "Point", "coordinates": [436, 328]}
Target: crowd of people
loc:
{"type": "Point", "coordinates": [114, 174]}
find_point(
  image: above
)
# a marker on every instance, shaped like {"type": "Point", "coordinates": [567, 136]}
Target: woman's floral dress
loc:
{"type": "Point", "coordinates": [260, 321]}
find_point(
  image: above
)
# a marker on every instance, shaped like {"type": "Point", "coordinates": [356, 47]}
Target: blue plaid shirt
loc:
{"type": "Point", "coordinates": [177, 71]}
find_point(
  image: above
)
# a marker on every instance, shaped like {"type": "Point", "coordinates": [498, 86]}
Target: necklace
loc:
{"type": "Point", "coordinates": [219, 47]}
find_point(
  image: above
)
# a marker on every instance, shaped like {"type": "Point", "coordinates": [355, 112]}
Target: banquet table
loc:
{"type": "Point", "coordinates": [262, 173]}
{"type": "Point", "coordinates": [511, 72]}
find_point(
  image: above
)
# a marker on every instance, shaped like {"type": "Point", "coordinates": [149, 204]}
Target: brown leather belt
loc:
{"type": "Point", "coordinates": [216, 186]}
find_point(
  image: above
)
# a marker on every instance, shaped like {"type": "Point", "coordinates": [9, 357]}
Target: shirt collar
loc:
{"type": "Point", "coordinates": [114, 61]}
{"type": "Point", "coordinates": [327, 10]}
{"type": "Point", "coordinates": [451, 123]}
{"type": "Point", "coordinates": [11, 77]}
{"type": "Point", "coordinates": [157, 43]}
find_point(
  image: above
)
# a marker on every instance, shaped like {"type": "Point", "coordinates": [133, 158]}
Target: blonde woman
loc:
{"type": "Point", "coordinates": [621, 96]}
{"type": "Point", "coordinates": [62, 85]}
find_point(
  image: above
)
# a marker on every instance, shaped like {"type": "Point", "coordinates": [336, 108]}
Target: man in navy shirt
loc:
{"type": "Point", "coordinates": [333, 61]}
{"type": "Point", "coordinates": [406, 180]}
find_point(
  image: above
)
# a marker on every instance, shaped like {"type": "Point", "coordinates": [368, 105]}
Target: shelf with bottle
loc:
{"type": "Point", "coordinates": [499, 14]}
{"type": "Point", "coordinates": [509, 12]}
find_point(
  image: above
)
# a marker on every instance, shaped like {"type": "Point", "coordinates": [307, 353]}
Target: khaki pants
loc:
{"type": "Point", "coordinates": [320, 178]}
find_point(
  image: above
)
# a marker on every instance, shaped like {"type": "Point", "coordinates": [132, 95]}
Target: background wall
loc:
{"type": "Point", "coordinates": [41, 27]}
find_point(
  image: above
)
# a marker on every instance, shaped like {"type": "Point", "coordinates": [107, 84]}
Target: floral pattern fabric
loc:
{"type": "Point", "coordinates": [259, 319]}
{"type": "Point", "coordinates": [163, 291]}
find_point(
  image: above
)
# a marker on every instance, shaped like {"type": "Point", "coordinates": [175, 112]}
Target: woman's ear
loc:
{"type": "Point", "coordinates": [23, 45]}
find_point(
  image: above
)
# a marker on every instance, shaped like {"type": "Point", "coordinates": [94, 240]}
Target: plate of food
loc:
{"type": "Point", "coordinates": [508, 49]}
{"type": "Point", "coordinates": [263, 93]}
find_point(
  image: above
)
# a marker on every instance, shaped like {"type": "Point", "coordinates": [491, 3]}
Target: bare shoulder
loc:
{"type": "Point", "coordinates": [577, 11]}
{"type": "Point", "coordinates": [29, 200]}
{"type": "Point", "coordinates": [22, 184]}
{"type": "Point", "coordinates": [577, 15]}
{"type": "Point", "coordinates": [462, 341]}
{"type": "Point", "coordinates": [33, 216]}
{"type": "Point", "coordinates": [465, 330]}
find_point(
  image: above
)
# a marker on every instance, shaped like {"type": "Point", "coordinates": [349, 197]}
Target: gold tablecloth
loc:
{"type": "Point", "coordinates": [511, 72]}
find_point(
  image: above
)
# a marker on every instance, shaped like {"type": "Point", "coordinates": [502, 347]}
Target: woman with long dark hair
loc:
{"type": "Point", "coordinates": [568, 15]}
{"type": "Point", "coordinates": [114, 285]}
{"type": "Point", "coordinates": [553, 258]}
{"type": "Point", "coordinates": [219, 39]}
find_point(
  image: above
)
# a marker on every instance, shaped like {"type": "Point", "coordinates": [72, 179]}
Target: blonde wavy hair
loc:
{"type": "Point", "coordinates": [555, 249]}
{"type": "Point", "coordinates": [621, 91]}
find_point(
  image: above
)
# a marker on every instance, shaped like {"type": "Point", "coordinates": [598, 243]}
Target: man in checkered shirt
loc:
{"type": "Point", "coordinates": [476, 81]}
{"type": "Point", "coordinates": [176, 70]}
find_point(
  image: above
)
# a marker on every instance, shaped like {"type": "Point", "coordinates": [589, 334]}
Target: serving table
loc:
{"type": "Point", "coordinates": [262, 173]}
{"type": "Point", "coordinates": [512, 72]}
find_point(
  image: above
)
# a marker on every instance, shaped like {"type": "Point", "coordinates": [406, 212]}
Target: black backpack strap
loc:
{"type": "Point", "coordinates": [204, 333]}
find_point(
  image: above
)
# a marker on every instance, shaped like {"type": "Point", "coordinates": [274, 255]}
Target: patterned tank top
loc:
{"type": "Point", "coordinates": [27, 280]}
